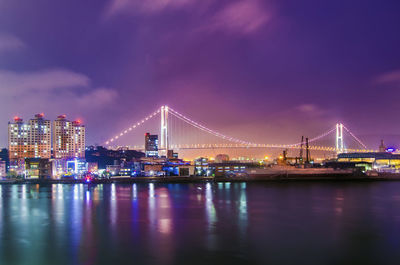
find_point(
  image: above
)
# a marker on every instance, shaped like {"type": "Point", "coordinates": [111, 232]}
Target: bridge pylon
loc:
{"type": "Point", "coordinates": [164, 130]}
{"type": "Point", "coordinates": [339, 138]}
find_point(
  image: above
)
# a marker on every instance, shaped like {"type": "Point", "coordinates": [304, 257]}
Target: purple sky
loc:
{"type": "Point", "coordinates": [265, 71]}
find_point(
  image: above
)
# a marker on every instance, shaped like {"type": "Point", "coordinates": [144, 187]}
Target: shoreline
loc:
{"type": "Point", "coordinates": [200, 179]}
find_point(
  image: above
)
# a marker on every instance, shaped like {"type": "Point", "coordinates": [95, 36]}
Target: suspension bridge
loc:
{"type": "Point", "coordinates": [178, 132]}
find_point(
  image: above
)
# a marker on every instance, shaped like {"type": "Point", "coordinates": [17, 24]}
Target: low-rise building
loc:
{"type": "Point", "coordinates": [93, 167]}
{"type": "Point", "coordinates": [17, 168]}
{"type": "Point", "coordinates": [201, 165]}
{"type": "Point", "coordinates": [38, 168]}
{"type": "Point", "coordinates": [228, 168]}
{"type": "Point", "coordinates": [3, 169]}
{"type": "Point", "coordinates": [113, 170]}
{"type": "Point", "coordinates": [153, 170]}
{"type": "Point", "coordinates": [380, 161]}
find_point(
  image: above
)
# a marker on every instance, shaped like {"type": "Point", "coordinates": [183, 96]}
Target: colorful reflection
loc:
{"type": "Point", "coordinates": [159, 224]}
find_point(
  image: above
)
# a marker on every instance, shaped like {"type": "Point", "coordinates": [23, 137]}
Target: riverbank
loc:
{"type": "Point", "coordinates": [201, 179]}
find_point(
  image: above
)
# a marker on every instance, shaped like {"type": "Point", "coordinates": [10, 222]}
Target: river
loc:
{"type": "Point", "coordinates": [210, 223]}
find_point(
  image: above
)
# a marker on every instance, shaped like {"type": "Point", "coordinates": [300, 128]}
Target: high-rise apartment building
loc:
{"type": "Point", "coordinates": [79, 139]}
{"type": "Point", "coordinates": [68, 138]}
{"type": "Point", "coordinates": [37, 138]}
{"type": "Point", "coordinates": [63, 138]}
{"type": "Point", "coordinates": [29, 140]}
{"type": "Point", "coordinates": [18, 139]}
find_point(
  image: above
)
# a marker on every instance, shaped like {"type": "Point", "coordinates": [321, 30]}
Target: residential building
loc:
{"type": "Point", "coordinates": [29, 140]}
{"type": "Point", "coordinates": [63, 138]}
{"type": "Point", "coordinates": [68, 138]}
{"type": "Point", "coordinates": [18, 139]}
{"type": "Point", "coordinates": [39, 137]}
{"type": "Point", "coordinates": [79, 139]}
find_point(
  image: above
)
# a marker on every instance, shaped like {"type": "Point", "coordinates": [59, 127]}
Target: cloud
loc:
{"type": "Point", "coordinates": [53, 90]}
{"type": "Point", "coordinates": [100, 96]}
{"type": "Point", "coordinates": [145, 6]}
{"type": "Point", "coordinates": [40, 80]}
{"type": "Point", "coordinates": [238, 16]}
{"type": "Point", "coordinates": [392, 77]}
{"type": "Point", "coordinates": [245, 17]}
{"type": "Point", "coordinates": [307, 108]}
{"type": "Point", "coordinates": [10, 43]}
{"type": "Point", "coordinates": [310, 110]}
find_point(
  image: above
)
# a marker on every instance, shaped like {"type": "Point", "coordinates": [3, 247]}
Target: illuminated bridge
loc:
{"type": "Point", "coordinates": [179, 132]}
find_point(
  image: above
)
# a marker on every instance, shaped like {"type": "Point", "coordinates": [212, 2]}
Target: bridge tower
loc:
{"type": "Point", "coordinates": [164, 129]}
{"type": "Point", "coordinates": [339, 138]}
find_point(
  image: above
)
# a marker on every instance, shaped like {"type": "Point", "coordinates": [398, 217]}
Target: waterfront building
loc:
{"type": "Point", "coordinates": [77, 167]}
{"type": "Point", "coordinates": [229, 168]}
{"type": "Point", "coordinates": [186, 170]}
{"type": "Point", "coordinates": [17, 167]}
{"type": "Point", "coordinates": [201, 166]}
{"type": "Point", "coordinates": [128, 169]}
{"type": "Point", "coordinates": [5, 157]}
{"type": "Point", "coordinates": [68, 138]}
{"type": "Point", "coordinates": [113, 170]}
{"type": "Point", "coordinates": [29, 140]}
{"type": "Point", "coordinates": [38, 168]}
{"type": "Point", "coordinates": [93, 167]}
{"type": "Point", "coordinates": [153, 170]}
{"type": "Point", "coordinates": [151, 145]}
{"type": "Point", "coordinates": [3, 167]}
{"type": "Point", "coordinates": [380, 161]}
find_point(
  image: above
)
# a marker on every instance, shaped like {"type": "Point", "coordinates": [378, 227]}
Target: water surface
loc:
{"type": "Point", "coordinates": [221, 223]}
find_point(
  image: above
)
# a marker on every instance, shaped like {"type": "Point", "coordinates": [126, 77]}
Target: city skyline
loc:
{"type": "Point", "coordinates": [282, 69]}
{"type": "Point", "coordinates": [199, 132]}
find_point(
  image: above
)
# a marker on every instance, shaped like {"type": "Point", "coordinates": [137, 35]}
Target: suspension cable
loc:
{"type": "Point", "coordinates": [134, 126]}
{"type": "Point", "coordinates": [355, 137]}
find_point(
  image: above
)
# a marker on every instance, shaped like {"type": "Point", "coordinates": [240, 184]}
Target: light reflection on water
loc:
{"type": "Point", "coordinates": [211, 223]}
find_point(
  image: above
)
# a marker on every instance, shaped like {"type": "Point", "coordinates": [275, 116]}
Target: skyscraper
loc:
{"type": "Point", "coordinates": [151, 145]}
{"type": "Point", "coordinates": [63, 138]}
{"type": "Point", "coordinates": [18, 139]}
{"type": "Point", "coordinates": [68, 138]}
{"type": "Point", "coordinates": [29, 140]}
{"type": "Point", "coordinates": [39, 137]}
{"type": "Point", "coordinates": [36, 138]}
{"type": "Point", "coordinates": [79, 138]}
